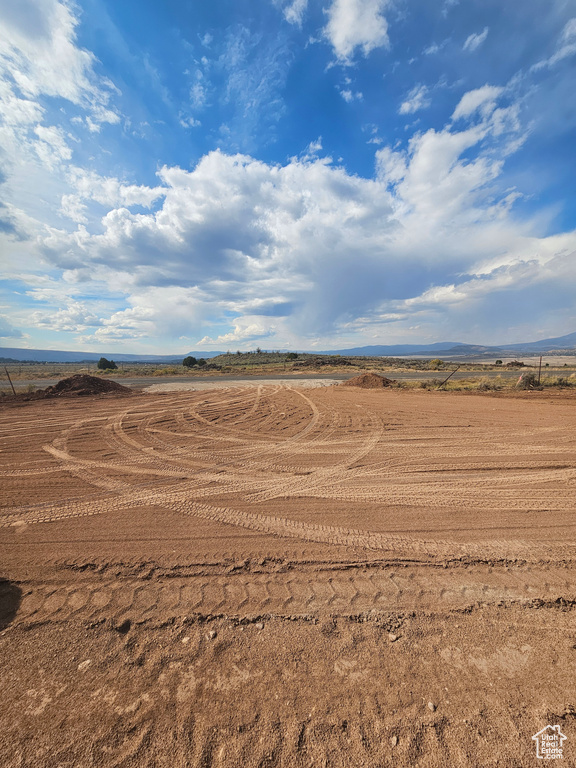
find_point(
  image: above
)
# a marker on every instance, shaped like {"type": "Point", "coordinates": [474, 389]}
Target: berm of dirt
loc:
{"type": "Point", "coordinates": [79, 385]}
{"type": "Point", "coordinates": [369, 381]}
{"type": "Point", "coordinates": [83, 384]}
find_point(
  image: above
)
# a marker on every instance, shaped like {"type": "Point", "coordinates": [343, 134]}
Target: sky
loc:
{"type": "Point", "coordinates": [288, 174]}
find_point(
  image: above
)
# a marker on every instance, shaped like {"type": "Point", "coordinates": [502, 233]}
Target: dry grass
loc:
{"type": "Point", "coordinates": [492, 384]}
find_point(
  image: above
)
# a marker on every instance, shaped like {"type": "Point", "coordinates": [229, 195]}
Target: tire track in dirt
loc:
{"type": "Point", "coordinates": [178, 500]}
{"type": "Point", "coordinates": [79, 464]}
{"type": "Point", "coordinates": [247, 455]}
{"type": "Point", "coordinates": [32, 472]}
{"type": "Point", "coordinates": [360, 590]}
{"type": "Point", "coordinates": [182, 468]}
{"type": "Point", "coordinates": [318, 477]}
{"type": "Point", "coordinates": [365, 539]}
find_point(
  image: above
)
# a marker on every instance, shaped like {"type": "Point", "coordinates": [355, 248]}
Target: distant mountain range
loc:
{"type": "Point", "coordinates": [457, 349]}
{"type": "Point", "coordinates": [59, 356]}
{"type": "Point", "coordinates": [439, 349]}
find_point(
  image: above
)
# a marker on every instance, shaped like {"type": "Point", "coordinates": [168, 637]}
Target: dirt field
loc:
{"type": "Point", "coordinates": [279, 576]}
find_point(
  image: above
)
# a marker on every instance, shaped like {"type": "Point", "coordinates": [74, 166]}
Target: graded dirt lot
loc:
{"type": "Point", "coordinates": [278, 576]}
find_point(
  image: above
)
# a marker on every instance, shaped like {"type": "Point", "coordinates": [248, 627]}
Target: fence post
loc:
{"type": "Point", "coordinates": [539, 370]}
{"type": "Point", "coordinates": [10, 380]}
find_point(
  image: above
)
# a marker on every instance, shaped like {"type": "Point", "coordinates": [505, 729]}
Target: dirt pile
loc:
{"type": "Point", "coordinates": [368, 381]}
{"type": "Point", "coordinates": [81, 384]}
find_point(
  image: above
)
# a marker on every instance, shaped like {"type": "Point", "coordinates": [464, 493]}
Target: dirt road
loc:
{"type": "Point", "coordinates": [273, 575]}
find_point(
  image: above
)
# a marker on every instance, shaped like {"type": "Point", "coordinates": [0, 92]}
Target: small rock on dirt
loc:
{"type": "Point", "coordinates": [212, 634]}
{"type": "Point", "coordinates": [431, 706]}
{"type": "Point", "coordinates": [392, 637]}
{"type": "Point", "coordinates": [259, 625]}
{"type": "Point", "coordinates": [124, 627]}
{"type": "Point", "coordinates": [394, 740]}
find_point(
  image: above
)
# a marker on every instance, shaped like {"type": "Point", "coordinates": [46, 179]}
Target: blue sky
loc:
{"type": "Point", "coordinates": [294, 174]}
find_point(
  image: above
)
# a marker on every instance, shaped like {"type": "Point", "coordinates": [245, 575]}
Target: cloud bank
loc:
{"type": "Point", "coordinates": [295, 253]}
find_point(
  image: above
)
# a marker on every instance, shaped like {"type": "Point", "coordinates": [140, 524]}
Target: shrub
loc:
{"type": "Point", "coordinates": [558, 381]}
{"type": "Point", "coordinates": [106, 365]}
{"type": "Point", "coordinates": [189, 361]}
{"type": "Point", "coordinates": [527, 381]}
{"type": "Point", "coordinates": [489, 385]}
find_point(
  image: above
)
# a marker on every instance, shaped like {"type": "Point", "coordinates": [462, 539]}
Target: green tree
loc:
{"type": "Point", "coordinates": [292, 356]}
{"type": "Point", "coordinates": [189, 361]}
{"type": "Point", "coordinates": [106, 365]}
{"type": "Point", "coordinates": [498, 362]}
{"type": "Point", "coordinates": [201, 361]}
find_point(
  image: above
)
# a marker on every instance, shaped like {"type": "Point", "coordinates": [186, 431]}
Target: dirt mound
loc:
{"type": "Point", "coordinates": [81, 384]}
{"type": "Point", "coordinates": [368, 381]}
{"type": "Point", "coordinates": [75, 386]}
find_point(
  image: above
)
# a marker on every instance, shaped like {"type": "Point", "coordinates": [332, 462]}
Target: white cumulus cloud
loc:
{"type": "Point", "coordinates": [76, 317]}
{"type": "Point", "coordinates": [111, 192]}
{"type": "Point", "coordinates": [356, 24]}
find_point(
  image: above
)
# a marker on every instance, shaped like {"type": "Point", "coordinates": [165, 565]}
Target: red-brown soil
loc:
{"type": "Point", "coordinates": [368, 381]}
{"type": "Point", "coordinates": [272, 576]}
